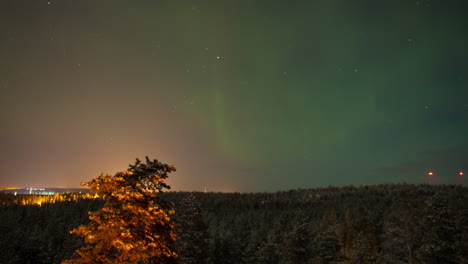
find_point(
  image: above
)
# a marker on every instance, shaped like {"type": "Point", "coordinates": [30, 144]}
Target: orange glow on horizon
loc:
{"type": "Point", "coordinates": [461, 173]}
{"type": "Point", "coordinates": [36, 199]}
{"type": "Point", "coordinates": [431, 173]}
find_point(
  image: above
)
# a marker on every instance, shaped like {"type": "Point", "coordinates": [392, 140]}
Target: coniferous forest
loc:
{"type": "Point", "coordinates": [397, 223]}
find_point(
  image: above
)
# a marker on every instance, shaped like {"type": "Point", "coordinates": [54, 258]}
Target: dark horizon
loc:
{"type": "Point", "coordinates": [87, 190]}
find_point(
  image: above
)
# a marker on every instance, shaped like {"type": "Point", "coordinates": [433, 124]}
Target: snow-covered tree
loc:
{"type": "Point", "coordinates": [362, 239]}
{"type": "Point", "coordinates": [401, 235]}
{"type": "Point", "coordinates": [362, 250]}
{"type": "Point", "coordinates": [298, 243]}
{"type": "Point", "coordinates": [439, 239]}
{"type": "Point", "coordinates": [327, 245]}
{"type": "Point", "coordinates": [192, 232]}
{"type": "Point", "coordinates": [134, 225]}
{"type": "Point", "coordinates": [269, 251]}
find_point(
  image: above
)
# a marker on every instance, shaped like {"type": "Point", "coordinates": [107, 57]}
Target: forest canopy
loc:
{"type": "Point", "coordinates": [388, 223]}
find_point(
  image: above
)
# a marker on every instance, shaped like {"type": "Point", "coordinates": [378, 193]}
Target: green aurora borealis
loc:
{"type": "Point", "coordinates": [241, 95]}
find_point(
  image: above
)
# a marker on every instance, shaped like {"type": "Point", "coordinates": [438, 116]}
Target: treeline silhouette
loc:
{"type": "Point", "coordinates": [393, 223]}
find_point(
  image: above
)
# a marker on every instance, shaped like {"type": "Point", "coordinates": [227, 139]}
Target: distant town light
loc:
{"type": "Point", "coordinates": [431, 173]}
{"type": "Point", "coordinates": [461, 173]}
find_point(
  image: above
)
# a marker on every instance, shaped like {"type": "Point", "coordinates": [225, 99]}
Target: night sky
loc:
{"type": "Point", "coordinates": [258, 95]}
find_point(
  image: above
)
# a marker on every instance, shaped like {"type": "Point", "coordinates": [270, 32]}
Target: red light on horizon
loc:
{"type": "Point", "coordinates": [431, 173]}
{"type": "Point", "coordinates": [461, 173]}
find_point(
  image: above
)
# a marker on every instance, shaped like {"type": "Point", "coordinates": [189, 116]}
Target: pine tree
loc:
{"type": "Point", "coordinates": [364, 242]}
{"type": "Point", "coordinates": [401, 236]}
{"type": "Point", "coordinates": [298, 244]}
{"type": "Point", "coordinates": [133, 226]}
{"type": "Point", "coordinates": [462, 244]}
{"type": "Point", "coordinates": [362, 250]}
{"type": "Point", "coordinates": [269, 251]}
{"type": "Point", "coordinates": [192, 232]}
{"type": "Point", "coordinates": [439, 239]}
{"type": "Point", "coordinates": [224, 248]}
{"type": "Point", "coordinates": [327, 245]}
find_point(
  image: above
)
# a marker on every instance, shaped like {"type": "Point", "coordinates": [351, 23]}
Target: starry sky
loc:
{"type": "Point", "coordinates": [257, 95]}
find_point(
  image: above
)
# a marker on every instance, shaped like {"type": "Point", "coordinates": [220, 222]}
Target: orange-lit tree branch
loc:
{"type": "Point", "coordinates": [134, 225]}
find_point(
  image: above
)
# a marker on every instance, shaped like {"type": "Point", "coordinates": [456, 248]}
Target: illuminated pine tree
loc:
{"type": "Point", "coordinates": [133, 226]}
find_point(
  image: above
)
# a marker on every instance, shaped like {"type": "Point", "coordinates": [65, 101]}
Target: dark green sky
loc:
{"type": "Point", "coordinates": [241, 95]}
